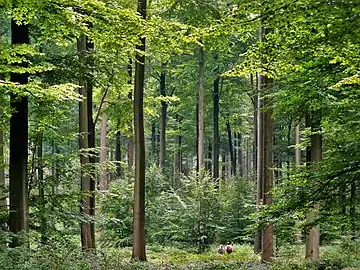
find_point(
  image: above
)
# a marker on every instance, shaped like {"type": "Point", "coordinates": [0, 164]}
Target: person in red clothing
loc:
{"type": "Point", "coordinates": [228, 248]}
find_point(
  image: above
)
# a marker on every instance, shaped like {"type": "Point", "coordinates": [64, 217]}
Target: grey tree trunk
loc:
{"type": "Point", "coordinates": [130, 144]}
{"type": "Point", "coordinates": [43, 223]}
{"type": "Point", "coordinates": [297, 149]}
{"type": "Point", "coordinates": [231, 151]}
{"type": "Point", "coordinates": [87, 234]}
{"type": "Point", "coordinates": [265, 157]}
{"type": "Point", "coordinates": [138, 250]}
{"type": "Point", "coordinates": [313, 236]}
{"type": "Point", "coordinates": [19, 209]}
{"type": "Point", "coordinates": [118, 154]}
{"type": "Point", "coordinates": [163, 121]}
{"type": "Point", "coordinates": [216, 136]}
{"type": "Point", "coordinates": [103, 151]}
{"type": "Point", "coordinates": [201, 111]}
{"type": "Point", "coordinates": [177, 154]}
{"type": "Point", "coordinates": [2, 164]}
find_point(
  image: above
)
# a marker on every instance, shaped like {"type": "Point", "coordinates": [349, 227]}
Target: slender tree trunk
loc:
{"type": "Point", "coordinates": [223, 165]}
{"type": "Point", "coordinates": [265, 156]}
{"type": "Point", "coordinates": [297, 149]}
{"type": "Point", "coordinates": [232, 159]}
{"type": "Point", "coordinates": [138, 251]}
{"type": "Point", "coordinates": [130, 144]}
{"type": "Point", "coordinates": [153, 142]}
{"type": "Point", "coordinates": [197, 138]}
{"type": "Point", "coordinates": [103, 151]}
{"type": "Point", "coordinates": [43, 223]}
{"type": "Point", "coordinates": [255, 143]}
{"type": "Point", "coordinates": [353, 209]}
{"type": "Point", "coordinates": [118, 153]}
{"type": "Point", "coordinates": [267, 237]}
{"type": "Point", "coordinates": [87, 235]}
{"type": "Point", "coordinates": [91, 128]}
{"type": "Point", "coordinates": [2, 165]}
{"type": "Point", "coordinates": [201, 110]}
{"type": "Point", "coordinates": [209, 158]}
{"type": "Point", "coordinates": [313, 236]}
{"type": "Point", "coordinates": [260, 160]}
{"type": "Point", "coordinates": [241, 156]}
{"type": "Point", "coordinates": [177, 154]}
{"type": "Point", "coordinates": [216, 136]}
{"type": "Point", "coordinates": [19, 209]}
{"type": "Point", "coordinates": [163, 120]}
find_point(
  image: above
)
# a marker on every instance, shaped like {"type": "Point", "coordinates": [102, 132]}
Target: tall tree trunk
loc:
{"type": "Point", "coordinates": [265, 156]}
{"type": "Point", "coordinates": [130, 144]}
{"type": "Point", "coordinates": [118, 154]}
{"type": "Point", "coordinates": [153, 142]}
{"type": "Point", "coordinates": [201, 110]}
{"type": "Point", "coordinates": [138, 251]}
{"type": "Point", "coordinates": [91, 128]}
{"type": "Point", "coordinates": [216, 136]}
{"type": "Point", "coordinates": [209, 157]}
{"type": "Point", "coordinates": [19, 209]}
{"type": "Point", "coordinates": [103, 151]}
{"type": "Point", "coordinates": [255, 105]}
{"type": "Point", "coordinates": [197, 138]}
{"type": "Point", "coordinates": [313, 236]}
{"type": "Point", "coordinates": [177, 154]}
{"type": "Point", "coordinates": [87, 235]}
{"type": "Point", "coordinates": [163, 120]}
{"type": "Point", "coordinates": [240, 156]}
{"type": "Point", "coordinates": [297, 142]}
{"type": "Point", "coordinates": [223, 165]}
{"type": "Point", "coordinates": [353, 209]}
{"type": "Point", "coordinates": [231, 151]}
{"type": "Point", "coordinates": [43, 223]}
{"type": "Point", "coordinates": [267, 237]}
{"type": "Point", "coordinates": [260, 160]}
{"type": "Point", "coordinates": [2, 166]}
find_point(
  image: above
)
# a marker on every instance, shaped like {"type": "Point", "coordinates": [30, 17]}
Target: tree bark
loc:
{"type": "Point", "coordinates": [231, 151]}
{"type": "Point", "coordinates": [118, 154]}
{"type": "Point", "coordinates": [163, 120]}
{"type": "Point", "coordinates": [353, 209]}
{"type": "Point", "coordinates": [138, 251]}
{"type": "Point", "coordinates": [43, 223]}
{"type": "Point", "coordinates": [197, 138]}
{"type": "Point", "coordinates": [19, 209]}
{"type": "Point", "coordinates": [216, 136]}
{"type": "Point", "coordinates": [265, 156]}
{"type": "Point", "coordinates": [2, 165]}
{"type": "Point", "coordinates": [177, 154]}
{"type": "Point", "coordinates": [103, 151]}
{"type": "Point", "coordinates": [87, 235]}
{"type": "Point", "coordinates": [297, 149]}
{"type": "Point", "coordinates": [130, 144]}
{"type": "Point", "coordinates": [313, 236]}
{"type": "Point", "coordinates": [201, 110]}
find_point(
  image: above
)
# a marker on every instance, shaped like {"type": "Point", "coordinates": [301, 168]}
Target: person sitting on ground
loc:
{"type": "Point", "coordinates": [228, 248]}
{"type": "Point", "coordinates": [221, 250]}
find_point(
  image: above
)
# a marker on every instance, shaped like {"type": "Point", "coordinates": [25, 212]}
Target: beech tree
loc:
{"type": "Point", "coordinates": [138, 251]}
{"type": "Point", "coordinates": [19, 208]}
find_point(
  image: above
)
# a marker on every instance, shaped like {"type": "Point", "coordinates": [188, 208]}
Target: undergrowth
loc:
{"type": "Point", "coordinates": [333, 257]}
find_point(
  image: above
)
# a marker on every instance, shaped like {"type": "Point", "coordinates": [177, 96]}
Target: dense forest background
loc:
{"type": "Point", "coordinates": [134, 131]}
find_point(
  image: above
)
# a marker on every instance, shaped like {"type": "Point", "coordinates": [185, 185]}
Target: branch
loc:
{"type": "Point", "coordinates": [103, 97]}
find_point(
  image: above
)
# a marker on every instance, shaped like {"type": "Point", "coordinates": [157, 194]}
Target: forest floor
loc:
{"type": "Point", "coordinates": [333, 257]}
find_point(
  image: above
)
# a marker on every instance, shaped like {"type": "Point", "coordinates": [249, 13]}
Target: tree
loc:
{"type": "Point", "coordinates": [87, 229]}
{"type": "Point", "coordinates": [216, 136]}
{"type": "Point", "coordinates": [138, 251]}
{"type": "Point", "coordinates": [19, 208]}
{"type": "Point", "coordinates": [163, 119]}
